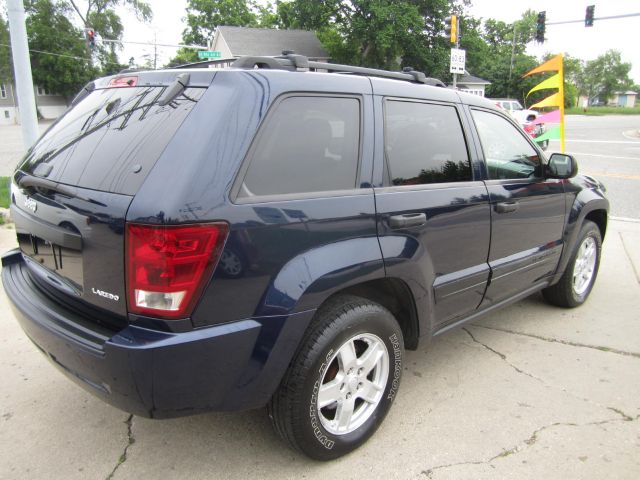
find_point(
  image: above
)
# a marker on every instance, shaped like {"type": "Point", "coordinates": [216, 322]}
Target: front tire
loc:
{"type": "Point", "coordinates": [578, 279]}
{"type": "Point", "coordinates": [342, 381]}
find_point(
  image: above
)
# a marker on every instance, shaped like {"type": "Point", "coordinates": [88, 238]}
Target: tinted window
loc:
{"type": "Point", "coordinates": [111, 139]}
{"type": "Point", "coordinates": [424, 143]}
{"type": "Point", "coordinates": [309, 144]}
{"type": "Point", "coordinates": [507, 153]}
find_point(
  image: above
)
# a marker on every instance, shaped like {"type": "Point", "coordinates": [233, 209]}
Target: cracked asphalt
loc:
{"type": "Point", "coordinates": [532, 391]}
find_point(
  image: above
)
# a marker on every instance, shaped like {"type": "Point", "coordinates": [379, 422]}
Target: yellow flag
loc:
{"type": "Point", "coordinates": [551, 82]}
{"type": "Point", "coordinates": [553, 64]}
{"type": "Point", "coordinates": [554, 100]}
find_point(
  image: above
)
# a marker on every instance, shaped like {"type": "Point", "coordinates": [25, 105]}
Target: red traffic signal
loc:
{"type": "Point", "coordinates": [90, 37]}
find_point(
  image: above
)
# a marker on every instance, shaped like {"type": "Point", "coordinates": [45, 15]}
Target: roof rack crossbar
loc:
{"type": "Point", "coordinates": [292, 62]}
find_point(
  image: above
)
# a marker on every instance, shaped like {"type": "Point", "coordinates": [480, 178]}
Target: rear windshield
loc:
{"type": "Point", "coordinates": [111, 139]}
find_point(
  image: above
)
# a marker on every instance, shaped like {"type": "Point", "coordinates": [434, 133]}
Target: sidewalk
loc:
{"type": "Point", "coordinates": [12, 149]}
{"type": "Point", "coordinates": [532, 391]}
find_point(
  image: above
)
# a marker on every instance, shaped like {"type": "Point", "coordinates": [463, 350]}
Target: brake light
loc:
{"type": "Point", "coordinates": [119, 82]}
{"type": "Point", "coordinates": [168, 266]}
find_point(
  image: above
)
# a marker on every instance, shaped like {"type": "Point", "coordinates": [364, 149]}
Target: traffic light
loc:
{"type": "Point", "coordinates": [540, 26]}
{"type": "Point", "coordinates": [91, 38]}
{"type": "Point", "coordinates": [451, 28]}
{"type": "Point", "coordinates": [588, 18]}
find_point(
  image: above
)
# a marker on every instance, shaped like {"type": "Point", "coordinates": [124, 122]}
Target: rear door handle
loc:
{"type": "Point", "coordinates": [408, 220]}
{"type": "Point", "coordinates": [506, 207]}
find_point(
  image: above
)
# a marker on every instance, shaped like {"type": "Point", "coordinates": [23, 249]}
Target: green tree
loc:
{"type": "Point", "coordinates": [6, 68]}
{"type": "Point", "coordinates": [382, 34]}
{"type": "Point", "coordinates": [65, 69]}
{"type": "Point", "coordinates": [204, 16]}
{"type": "Point", "coordinates": [101, 16]}
{"type": "Point", "coordinates": [497, 54]}
{"type": "Point", "coordinates": [602, 77]}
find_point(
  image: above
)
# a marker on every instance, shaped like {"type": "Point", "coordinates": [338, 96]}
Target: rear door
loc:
{"type": "Point", "coordinates": [433, 216]}
{"type": "Point", "coordinates": [527, 210]}
{"type": "Point", "coordinates": [71, 193]}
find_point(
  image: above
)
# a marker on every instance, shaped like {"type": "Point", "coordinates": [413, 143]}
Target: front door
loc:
{"type": "Point", "coordinates": [527, 210]}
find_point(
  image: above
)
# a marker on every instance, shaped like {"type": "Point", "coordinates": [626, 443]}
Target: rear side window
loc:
{"type": "Point", "coordinates": [111, 139]}
{"type": "Point", "coordinates": [309, 144]}
{"type": "Point", "coordinates": [424, 143]}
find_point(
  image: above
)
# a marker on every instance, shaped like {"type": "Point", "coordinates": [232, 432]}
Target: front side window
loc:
{"type": "Point", "coordinates": [507, 153]}
{"type": "Point", "coordinates": [309, 144]}
{"type": "Point", "coordinates": [424, 143]}
{"type": "Point", "coordinates": [3, 90]}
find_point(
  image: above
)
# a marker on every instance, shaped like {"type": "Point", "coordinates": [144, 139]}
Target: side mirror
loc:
{"type": "Point", "coordinates": [561, 166]}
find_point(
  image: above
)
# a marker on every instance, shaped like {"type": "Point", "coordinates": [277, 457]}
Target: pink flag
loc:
{"type": "Point", "coordinates": [550, 117]}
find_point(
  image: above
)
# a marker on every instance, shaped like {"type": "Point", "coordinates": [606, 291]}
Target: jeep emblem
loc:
{"type": "Point", "coordinates": [31, 204]}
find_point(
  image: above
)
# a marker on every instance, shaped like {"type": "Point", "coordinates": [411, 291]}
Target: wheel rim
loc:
{"type": "Point", "coordinates": [230, 263]}
{"type": "Point", "coordinates": [353, 383]}
{"type": "Point", "coordinates": [585, 265]}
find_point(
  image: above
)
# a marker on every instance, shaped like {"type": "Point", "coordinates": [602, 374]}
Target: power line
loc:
{"type": "Point", "coordinates": [49, 53]}
{"type": "Point", "coordinates": [179, 45]}
{"type": "Point", "coordinates": [599, 18]}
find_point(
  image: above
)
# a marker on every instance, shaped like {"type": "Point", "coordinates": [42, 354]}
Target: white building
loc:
{"type": "Point", "coordinates": [49, 106]}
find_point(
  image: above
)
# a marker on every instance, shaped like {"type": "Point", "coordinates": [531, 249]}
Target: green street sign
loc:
{"type": "Point", "coordinates": [209, 54]}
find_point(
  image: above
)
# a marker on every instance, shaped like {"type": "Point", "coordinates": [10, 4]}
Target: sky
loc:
{"type": "Point", "coordinates": [574, 39]}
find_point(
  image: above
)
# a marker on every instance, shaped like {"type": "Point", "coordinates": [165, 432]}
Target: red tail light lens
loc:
{"type": "Point", "coordinates": [168, 266]}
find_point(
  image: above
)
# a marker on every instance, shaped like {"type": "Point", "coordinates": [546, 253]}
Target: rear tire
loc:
{"type": "Point", "coordinates": [576, 283]}
{"type": "Point", "coordinates": [343, 380]}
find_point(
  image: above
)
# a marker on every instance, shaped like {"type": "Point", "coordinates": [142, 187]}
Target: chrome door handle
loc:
{"type": "Point", "coordinates": [506, 207]}
{"type": "Point", "coordinates": [407, 220]}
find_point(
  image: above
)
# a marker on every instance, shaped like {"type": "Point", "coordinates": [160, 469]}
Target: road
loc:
{"type": "Point", "coordinates": [608, 148]}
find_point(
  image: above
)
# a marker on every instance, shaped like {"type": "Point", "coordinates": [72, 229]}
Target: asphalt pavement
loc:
{"type": "Point", "coordinates": [608, 148]}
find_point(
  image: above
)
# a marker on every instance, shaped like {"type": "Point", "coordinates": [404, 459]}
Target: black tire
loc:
{"type": "Point", "coordinates": [294, 408]}
{"type": "Point", "coordinates": [564, 293]}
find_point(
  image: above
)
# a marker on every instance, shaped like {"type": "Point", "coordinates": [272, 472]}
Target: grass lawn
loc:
{"type": "Point", "coordinates": [603, 111]}
{"type": "Point", "coordinates": [4, 191]}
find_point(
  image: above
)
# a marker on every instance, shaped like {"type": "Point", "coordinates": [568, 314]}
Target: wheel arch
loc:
{"type": "Point", "coordinates": [394, 295]}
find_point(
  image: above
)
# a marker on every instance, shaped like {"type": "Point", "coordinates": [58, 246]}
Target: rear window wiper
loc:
{"type": "Point", "coordinates": [175, 89]}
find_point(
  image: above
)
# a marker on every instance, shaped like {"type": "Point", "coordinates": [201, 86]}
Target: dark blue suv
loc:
{"type": "Point", "coordinates": [201, 239]}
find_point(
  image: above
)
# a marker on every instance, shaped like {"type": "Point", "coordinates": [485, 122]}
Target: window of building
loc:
{"type": "Point", "coordinates": [309, 144]}
{"type": "Point", "coordinates": [3, 90]}
{"type": "Point", "coordinates": [424, 143]}
{"type": "Point", "coordinates": [42, 91]}
{"type": "Point", "coordinates": [507, 152]}
{"type": "Point", "coordinates": [6, 114]}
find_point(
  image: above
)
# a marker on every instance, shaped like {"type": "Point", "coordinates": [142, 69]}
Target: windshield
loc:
{"type": "Point", "coordinates": [111, 139]}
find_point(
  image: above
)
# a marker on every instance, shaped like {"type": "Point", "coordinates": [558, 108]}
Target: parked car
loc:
{"type": "Point", "coordinates": [522, 115]}
{"type": "Point", "coordinates": [536, 130]}
{"type": "Point", "coordinates": [525, 118]}
{"type": "Point", "coordinates": [200, 239]}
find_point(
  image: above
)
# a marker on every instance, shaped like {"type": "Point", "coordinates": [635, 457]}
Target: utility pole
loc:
{"type": "Point", "coordinates": [22, 72]}
{"type": "Point", "coordinates": [513, 54]}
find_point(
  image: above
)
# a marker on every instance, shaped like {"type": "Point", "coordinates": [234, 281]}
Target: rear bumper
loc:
{"type": "Point", "coordinates": [156, 374]}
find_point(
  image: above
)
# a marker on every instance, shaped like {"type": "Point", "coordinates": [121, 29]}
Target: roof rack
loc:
{"type": "Point", "coordinates": [299, 63]}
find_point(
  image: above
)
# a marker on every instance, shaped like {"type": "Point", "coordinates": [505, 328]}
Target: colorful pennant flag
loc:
{"type": "Point", "coordinates": [554, 64]}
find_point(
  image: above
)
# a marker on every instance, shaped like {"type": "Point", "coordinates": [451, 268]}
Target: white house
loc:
{"type": "Point", "coordinates": [234, 42]}
{"type": "Point", "coordinates": [49, 105]}
{"type": "Point", "coordinates": [624, 99]}
{"type": "Point", "coordinates": [470, 84]}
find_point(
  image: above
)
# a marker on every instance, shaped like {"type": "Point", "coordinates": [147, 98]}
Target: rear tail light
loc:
{"type": "Point", "coordinates": [168, 266]}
